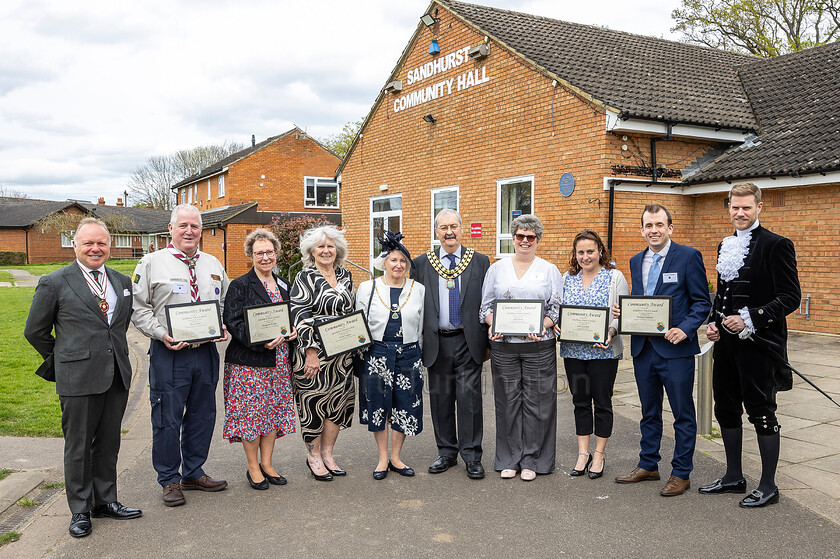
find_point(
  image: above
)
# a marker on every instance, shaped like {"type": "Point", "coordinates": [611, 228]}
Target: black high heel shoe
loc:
{"type": "Point", "coordinates": [576, 473]}
{"type": "Point", "coordinates": [261, 486]}
{"type": "Point", "coordinates": [325, 477]}
{"type": "Point", "coordinates": [335, 472]}
{"type": "Point", "coordinates": [596, 475]}
{"type": "Point", "coordinates": [274, 480]}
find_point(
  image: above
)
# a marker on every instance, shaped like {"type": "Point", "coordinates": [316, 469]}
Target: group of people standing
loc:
{"type": "Point", "coordinates": [433, 311]}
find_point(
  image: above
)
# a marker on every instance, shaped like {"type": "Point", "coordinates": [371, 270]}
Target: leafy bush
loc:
{"type": "Point", "coordinates": [288, 230]}
{"type": "Point", "coordinates": [12, 258]}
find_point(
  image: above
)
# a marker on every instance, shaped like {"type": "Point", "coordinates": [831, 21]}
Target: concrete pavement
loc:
{"type": "Point", "coordinates": [448, 514]}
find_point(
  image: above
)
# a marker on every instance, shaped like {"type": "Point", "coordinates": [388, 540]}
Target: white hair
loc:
{"type": "Point", "coordinates": [173, 218]}
{"type": "Point", "coordinates": [313, 237]}
{"type": "Point", "coordinates": [445, 212]}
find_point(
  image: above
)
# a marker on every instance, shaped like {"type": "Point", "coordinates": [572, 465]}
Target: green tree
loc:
{"type": "Point", "coordinates": [151, 182]}
{"type": "Point", "coordinates": [340, 143]}
{"type": "Point", "coordinates": [760, 27]}
{"type": "Point", "coordinates": [288, 230]}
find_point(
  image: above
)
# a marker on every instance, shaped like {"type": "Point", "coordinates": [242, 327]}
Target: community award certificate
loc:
{"type": "Point", "coordinates": [267, 322]}
{"type": "Point", "coordinates": [645, 316]}
{"type": "Point", "coordinates": [194, 322]}
{"type": "Point", "coordinates": [343, 334]}
{"type": "Point", "coordinates": [584, 324]}
{"type": "Point", "coordinates": [518, 317]}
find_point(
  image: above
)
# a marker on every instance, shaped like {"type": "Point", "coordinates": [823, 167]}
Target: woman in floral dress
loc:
{"type": "Point", "coordinates": [392, 379]}
{"type": "Point", "coordinates": [259, 405]}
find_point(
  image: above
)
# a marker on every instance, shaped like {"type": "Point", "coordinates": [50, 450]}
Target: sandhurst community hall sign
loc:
{"type": "Point", "coordinates": [441, 88]}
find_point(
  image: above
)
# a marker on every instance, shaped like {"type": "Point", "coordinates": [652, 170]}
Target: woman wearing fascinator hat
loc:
{"type": "Point", "coordinates": [391, 383]}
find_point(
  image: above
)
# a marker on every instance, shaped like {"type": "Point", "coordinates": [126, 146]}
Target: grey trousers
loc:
{"type": "Point", "coordinates": [525, 393]}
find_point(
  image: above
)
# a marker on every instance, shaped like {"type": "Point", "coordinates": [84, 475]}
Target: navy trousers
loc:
{"type": "Point", "coordinates": [183, 397]}
{"type": "Point", "coordinates": [676, 376]}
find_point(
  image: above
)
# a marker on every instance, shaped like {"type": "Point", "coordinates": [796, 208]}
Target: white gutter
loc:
{"type": "Point", "coordinates": [618, 125]}
{"type": "Point", "coordinates": [672, 187]}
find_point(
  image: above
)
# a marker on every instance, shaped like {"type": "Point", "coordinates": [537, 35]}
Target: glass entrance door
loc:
{"type": "Point", "coordinates": [385, 214]}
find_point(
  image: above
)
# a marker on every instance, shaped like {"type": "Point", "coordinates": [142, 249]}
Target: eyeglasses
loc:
{"type": "Point", "coordinates": [521, 237]}
{"type": "Point", "coordinates": [446, 228]}
{"type": "Point", "coordinates": [266, 254]}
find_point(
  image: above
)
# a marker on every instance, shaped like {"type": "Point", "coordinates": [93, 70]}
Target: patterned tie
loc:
{"type": "Point", "coordinates": [190, 262]}
{"type": "Point", "coordinates": [653, 274]}
{"type": "Point", "coordinates": [104, 309]}
{"type": "Point", "coordinates": [454, 297]}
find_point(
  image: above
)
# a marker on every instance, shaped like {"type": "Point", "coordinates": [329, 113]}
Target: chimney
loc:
{"type": "Point", "coordinates": [101, 201]}
{"type": "Point", "coordinates": [119, 202]}
{"type": "Point", "coordinates": [253, 140]}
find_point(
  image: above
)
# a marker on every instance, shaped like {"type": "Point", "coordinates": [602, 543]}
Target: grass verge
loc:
{"type": "Point", "coordinates": [7, 276]}
{"type": "Point", "coordinates": [125, 266]}
{"type": "Point", "coordinates": [28, 404]}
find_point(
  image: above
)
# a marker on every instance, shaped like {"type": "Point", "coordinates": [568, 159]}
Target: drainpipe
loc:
{"type": "Point", "coordinates": [610, 218]}
{"type": "Point", "coordinates": [224, 244]}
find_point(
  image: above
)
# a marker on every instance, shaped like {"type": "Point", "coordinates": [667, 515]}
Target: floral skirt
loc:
{"type": "Point", "coordinates": [391, 385]}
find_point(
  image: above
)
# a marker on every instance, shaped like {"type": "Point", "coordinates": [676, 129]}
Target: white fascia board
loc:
{"type": "Point", "coordinates": [637, 126]}
{"type": "Point", "coordinates": [663, 187]}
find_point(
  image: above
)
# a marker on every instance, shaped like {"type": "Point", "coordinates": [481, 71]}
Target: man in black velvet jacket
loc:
{"type": "Point", "coordinates": [758, 286]}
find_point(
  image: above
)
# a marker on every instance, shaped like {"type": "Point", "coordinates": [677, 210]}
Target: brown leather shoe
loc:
{"type": "Point", "coordinates": [173, 496]}
{"type": "Point", "coordinates": [638, 474]}
{"type": "Point", "coordinates": [675, 486]}
{"type": "Point", "coordinates": [204, 483]}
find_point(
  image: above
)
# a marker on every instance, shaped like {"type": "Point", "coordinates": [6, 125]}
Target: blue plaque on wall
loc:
{"type": "Point", "coordinates": [567, 184]}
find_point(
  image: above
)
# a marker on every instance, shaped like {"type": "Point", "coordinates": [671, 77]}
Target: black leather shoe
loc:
{"type": "Point", "coordinates": [475, 470]}
{"type": "Point", "coordinates": [115, 510]}
{"type": "Point", "coordinates": [442, 464]}
{"type": "Point", "coordinates": [258, 485]}
{"type": "Point", "coordinates": [717, 486]}
{"type": "Point", "coordinates": [274, 480]}
{"type": "Point", "coordinates": [325, 477]}
{"type": "Point", "coordinates": [577, 473]}
{"type": "Point", "coordinates": [336, 472]}
{"type": "Point", "coordinates": [759, 499]}
{"type": "Point", "coordinates": [407, 472]}
{"type": "Point", "coordinates": [596, 475]}
{"type": "Point", "coordinates": [380, 474]}
{"type": "Point", "coordinates": [80, 525]}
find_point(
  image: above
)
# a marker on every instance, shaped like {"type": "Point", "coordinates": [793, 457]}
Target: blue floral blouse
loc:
{"type": "Point", "coordinates": [596, 295]}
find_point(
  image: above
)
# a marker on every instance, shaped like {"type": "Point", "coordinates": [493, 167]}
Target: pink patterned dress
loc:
{"type": "Point", "coordinates": [259, 400]}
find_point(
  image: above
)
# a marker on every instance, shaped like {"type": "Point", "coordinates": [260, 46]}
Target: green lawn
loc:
{"type": "Point", "coordinates": [125, 266]}
{"type": "Point", "coordinates": [7, 276]}
{"type": "Point", "coordinates": [28, 404]}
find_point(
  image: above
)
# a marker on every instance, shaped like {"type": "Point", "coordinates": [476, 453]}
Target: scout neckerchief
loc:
{"type": "Point", "coordinates": [441, 268]}
{"type": "Point", "coordinates": [190, 262]}
{"type": "Point", "coordinates": [99, 288]}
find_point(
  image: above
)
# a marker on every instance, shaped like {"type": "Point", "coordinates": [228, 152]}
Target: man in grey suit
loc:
{"type": "Point", "coordinates": [89, 306]}
{"type": "Point", "coordinates": [455, 344]}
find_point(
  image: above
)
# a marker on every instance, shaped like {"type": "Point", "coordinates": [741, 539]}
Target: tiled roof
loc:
{"type": "Point", "coordinates": [643, 77]}
{"type": "Point", "coordinates": [797, 100]}
{"type": "Point", "coordinates": [140, 220]}
{"type": "Point", "coordinates": [218, 216]}
{"type": "Point", "coordinates": [22, 212]}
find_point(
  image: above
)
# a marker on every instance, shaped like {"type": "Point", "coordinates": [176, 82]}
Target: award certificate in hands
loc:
{"type": "Point", "coordinates": [343, 334]}
{"type": "Point", "coordinates": [645, 316]}
{"type": "Point", "coordinates": [267, 322]}
{"type": "Point", "coordinates": [518, 317]}
{"type": "Point", "coordinates": [194, 322]}
{"type": "Point", "coordinates": [584, 324]}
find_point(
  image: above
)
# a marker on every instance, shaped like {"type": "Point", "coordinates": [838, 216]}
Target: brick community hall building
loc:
{"type": "Point", "coordinates": [495, 112]}
{"type": "Point", "coordinates": [291, 174]}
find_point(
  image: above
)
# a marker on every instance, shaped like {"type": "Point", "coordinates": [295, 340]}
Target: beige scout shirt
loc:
{"type": "Point", "coordinates": [161, 279]}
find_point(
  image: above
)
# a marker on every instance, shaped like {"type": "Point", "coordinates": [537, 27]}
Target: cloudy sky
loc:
{"type": "Point", "coordinates": [90, 88]}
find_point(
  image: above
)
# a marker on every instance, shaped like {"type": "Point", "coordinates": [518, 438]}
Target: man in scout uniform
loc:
{"type": "Point", "coordinates": [455, 344]}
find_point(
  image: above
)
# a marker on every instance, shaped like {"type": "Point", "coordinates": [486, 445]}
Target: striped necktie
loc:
{"type": "Point", "coordinates": [190, 262]}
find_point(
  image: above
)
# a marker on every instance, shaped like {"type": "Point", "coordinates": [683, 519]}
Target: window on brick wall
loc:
{"type": "Point", "coordinates": [67, 239]}
{"type": "Point", "coordinates": [514, 197]}
{"type": "Point", "coordinates": [385, 214]}
{"type": "Point", "coordinates": [208, 189]}
{"type": "Point", "coordinates": [122, 241]}
{"type": "Point", "coordinates": [183, 195]}
{"type": "Point", "coordinates": [320, 192]}
{"type": "Point", "coordinates": [442, 198]}
{"type": "Point", "coordinates": [221, 186]}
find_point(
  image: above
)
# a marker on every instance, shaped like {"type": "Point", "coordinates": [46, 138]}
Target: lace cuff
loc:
{"type": "Point", "coordinates": [749, 328]}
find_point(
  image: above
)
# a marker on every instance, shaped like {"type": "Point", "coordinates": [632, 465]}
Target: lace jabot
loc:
{"type": "Point", "coordinates": [733, 251]}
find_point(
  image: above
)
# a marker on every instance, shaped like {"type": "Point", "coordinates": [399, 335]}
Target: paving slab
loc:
{"type": "Point", "coordinates": [16, 485]}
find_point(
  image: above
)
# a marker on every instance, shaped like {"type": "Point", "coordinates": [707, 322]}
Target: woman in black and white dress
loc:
{"type": "Point", "coordinates": [324, 389]}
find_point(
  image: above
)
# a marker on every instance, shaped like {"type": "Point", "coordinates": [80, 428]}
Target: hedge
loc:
{"type": "Point", "coordinates": [12, 258]}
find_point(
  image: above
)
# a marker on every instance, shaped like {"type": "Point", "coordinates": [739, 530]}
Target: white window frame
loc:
{"type": "Point", "coordinates": [312, 203]}
{"type": "Point", "coordinates": [221, 184]}
{"type": "Point", "coordinates": [385, 214]}
{"type": "Point", "coordinates": [208, 190]}
{"type": "Point", "coordinates": [122, 241]}
{"type": "Point", "coordinates": [183, 195]}
{"type": "Point", "coordinates": [435, 242]}
{"type": "Point", "coordinates": [507, 236]}
{"type": "Point", "coordinates": [67, 239]}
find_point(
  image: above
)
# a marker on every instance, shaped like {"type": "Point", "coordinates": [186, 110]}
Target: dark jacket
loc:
{"type": "Point", "coordinates": [248, 291]}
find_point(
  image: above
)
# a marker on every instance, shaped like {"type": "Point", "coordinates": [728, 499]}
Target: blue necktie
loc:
{"type": "Point", "coordinates": [653, 274]}
{"type": "Point", "coordinates": [454, 297]}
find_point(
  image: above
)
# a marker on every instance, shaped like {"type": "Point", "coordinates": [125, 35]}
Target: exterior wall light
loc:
{"type": "Point", "coordinates": [479, 51]}
{"type": "Point", "coordinates": [429, 20]}
{"type": "Point", "coordinates": [430, 119]}
{"type": "Point", "coordinates": [394, 86]}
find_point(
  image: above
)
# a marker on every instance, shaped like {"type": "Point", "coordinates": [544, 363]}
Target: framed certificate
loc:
{"type": "Point", "coordinates": [267, 322]}
{"type": "Point", "coordinates": [645, 316]}
{"type": "Point", "coordinates": [343, 334]}
{"type": "Point", "coordinates": [194, 322]}
{"type": "Point", "coordinates": [518, 317]}
{"type": "Point", "coordinates": [584, 324]}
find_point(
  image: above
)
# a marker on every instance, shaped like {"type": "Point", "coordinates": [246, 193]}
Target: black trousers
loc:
{"type": "Point", "coordinates": [91, 426]}
{"type": "Point", "coordinates": [591, 382]}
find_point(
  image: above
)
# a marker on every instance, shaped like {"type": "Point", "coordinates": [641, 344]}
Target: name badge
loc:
{"type": "Point", "coordinates": [180, 288]}
{"type": "Point", "coordinates": [126, 293]}
{"type": "Point", "coordinates": [340, 287]}
{"type": "Point", "coordinates": [670, 278]}
{"type": "Point", "coordinates": [283, 285]}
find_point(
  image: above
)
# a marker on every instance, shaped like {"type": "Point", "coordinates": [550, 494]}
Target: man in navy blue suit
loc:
{"type": "Point", "coordinates": [666, 268]}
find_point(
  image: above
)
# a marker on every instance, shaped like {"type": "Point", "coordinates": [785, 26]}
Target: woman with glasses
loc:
{"type": "Point", "coordinates": [259, 406]}
{"type": "Point", "coordinates": [524, 368]}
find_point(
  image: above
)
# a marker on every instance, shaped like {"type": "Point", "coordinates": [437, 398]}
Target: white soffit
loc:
{"type": "Point", "coordinates": [640, 126]}
{"type": "Point", "coordinates": [764, 183]}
